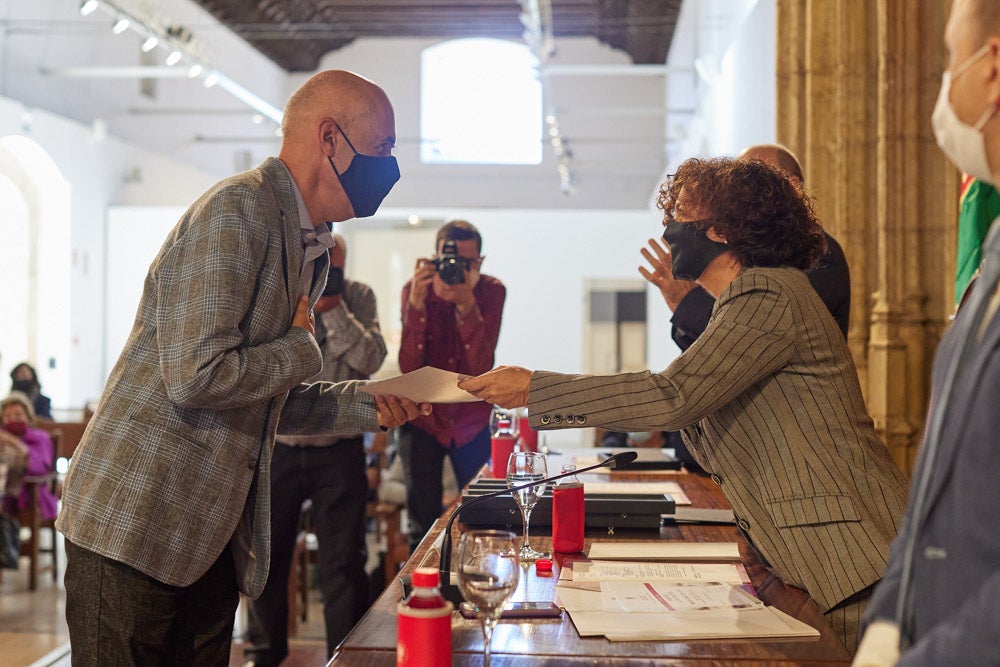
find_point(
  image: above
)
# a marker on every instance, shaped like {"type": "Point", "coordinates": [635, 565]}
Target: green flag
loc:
{"type": "Point", "coordinates": [980, 206]}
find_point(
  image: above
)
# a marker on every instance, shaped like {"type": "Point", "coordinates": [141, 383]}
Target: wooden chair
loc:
{"type": "Point", "coordinates": [31, 518]}
{"type": "Point", "coordinates": [388, 516]}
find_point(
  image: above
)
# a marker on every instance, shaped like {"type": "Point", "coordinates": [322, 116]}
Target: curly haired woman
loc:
{"type": "Point", "coordinates": [768, 397]}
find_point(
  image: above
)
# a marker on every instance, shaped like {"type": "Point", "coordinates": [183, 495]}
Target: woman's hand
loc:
{"type": "Point", "coordinates": [662, 274]}
{"type": "Point", "coordinates": [506, 386]}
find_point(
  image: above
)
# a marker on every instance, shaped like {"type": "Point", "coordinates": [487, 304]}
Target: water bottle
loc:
{"type": "Point", "coordinates": [567, 513]}
{"type": "Point", "coordinates": [423, 637]}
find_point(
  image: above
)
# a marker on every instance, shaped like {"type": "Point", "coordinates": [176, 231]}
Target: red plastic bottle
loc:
{"type": "Point", "coordinates": [568, 514]}
{"type": "Point", "coordinates": [423, 638]}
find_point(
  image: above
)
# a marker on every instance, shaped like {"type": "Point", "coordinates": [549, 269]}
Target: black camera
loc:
{"type": "Point", "coordinates": [450, 265]}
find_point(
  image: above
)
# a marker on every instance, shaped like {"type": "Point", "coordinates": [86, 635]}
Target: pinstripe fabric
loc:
{"type": "Point", "coordinates": [175, 461]}
{"type": "Point", "coordinates": [770, 401]}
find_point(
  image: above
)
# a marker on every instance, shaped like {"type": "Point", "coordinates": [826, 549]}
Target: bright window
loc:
{"type": "Point", "coordinates": [480, 103]}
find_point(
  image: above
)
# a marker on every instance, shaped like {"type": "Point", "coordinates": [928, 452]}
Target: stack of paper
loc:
{"type": "Point", "coordinates": [645, 591]}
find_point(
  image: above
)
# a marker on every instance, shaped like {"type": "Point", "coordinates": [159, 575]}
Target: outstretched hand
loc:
{"type": "Point", "coordinates": [393, 411]}
{"type": "Point", "coordinates": [662, 274]}
{"type": "Point", "coordinates": [506, 386]}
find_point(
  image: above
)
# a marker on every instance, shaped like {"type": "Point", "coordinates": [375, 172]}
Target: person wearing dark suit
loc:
{"type": "Point", "coordinates": [937, 601]}
{"type": "Point", "coordinates": [166, 503]}
{"type": "Point", "coordinates": [768, 396]}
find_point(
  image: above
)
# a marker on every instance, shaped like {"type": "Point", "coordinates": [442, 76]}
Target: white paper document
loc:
{"type": "Point", "coordinates": [581, 572]}
{"type": "Point", "coordinates": [672, 551]}
{"type": "Point", "coordinates": [672, 489]}
{"type": "Point", "coordinates": [759, 622]}
{"type": "Point", "coordinates": [652, 597]}
{"type": "Point", "coordinates": [424, 385]}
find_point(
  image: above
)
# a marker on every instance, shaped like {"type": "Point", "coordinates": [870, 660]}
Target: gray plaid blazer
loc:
{"type": "Point", "coordinates": [174, 465]}
{"type": "Point", "coordinates": [771, 401]}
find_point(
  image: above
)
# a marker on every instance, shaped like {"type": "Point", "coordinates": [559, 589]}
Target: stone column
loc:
{"type": "Point", "coordinates": [857, 80]}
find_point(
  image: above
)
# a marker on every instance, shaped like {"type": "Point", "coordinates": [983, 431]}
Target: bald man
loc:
{"type": "Point", "coordinates": [692, 306]}
{"type": "Point", "coordinates": [166, 504]}
{"type": "Point", "coordinates": [329, 471]}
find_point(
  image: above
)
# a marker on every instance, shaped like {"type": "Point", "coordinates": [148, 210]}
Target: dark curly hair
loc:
{"type": "Point", "coordinates": [765, 219]}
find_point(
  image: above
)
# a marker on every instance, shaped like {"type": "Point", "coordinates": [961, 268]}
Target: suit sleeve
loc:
{"type": "Point", "coordinates": [354, 335]}
{"type": "Point", "coordinates": [749, 339]}
{"type": "Point", "coordinates": [328, 408]}
{"type": "Point", "coordinates": [691, 317]}
{"type": "Point", "coordinates": [206, 289]}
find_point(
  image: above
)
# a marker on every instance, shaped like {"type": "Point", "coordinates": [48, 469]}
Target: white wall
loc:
{"type": "Point", "coordinates": [100, 173]}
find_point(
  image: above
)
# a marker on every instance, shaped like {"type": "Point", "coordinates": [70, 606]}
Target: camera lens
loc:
{"type": "Point", "coordinates": [450, 270]}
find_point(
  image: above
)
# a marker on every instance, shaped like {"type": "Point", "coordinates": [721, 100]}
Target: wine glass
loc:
{"type": "Point", "coordinates": [524, 467]}
{"type": "Point", "coordinates": [488, 571]}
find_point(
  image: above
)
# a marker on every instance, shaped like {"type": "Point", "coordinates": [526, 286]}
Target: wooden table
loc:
{"type": "Point", "coordinates": [556, 641]}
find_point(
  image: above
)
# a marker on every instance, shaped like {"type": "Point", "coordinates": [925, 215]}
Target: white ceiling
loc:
{"type": "Point", "coordinates": [615, 119]}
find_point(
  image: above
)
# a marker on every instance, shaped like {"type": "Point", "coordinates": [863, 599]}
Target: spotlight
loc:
{"type": "Point", "coordinates": [257, 119]}
{"type": "Point", "coordinates": [211, 80]}
{"type": "Point", "coordinates": [173, 58]}
{"type": "Point", "coordinates": [88, 6]}
{"type": "Point", "coordinates": [194, 71]}
{"type": "Point", "coordinates": [149, 44]}
{"type": "Point", "coordinates": [121, 25]}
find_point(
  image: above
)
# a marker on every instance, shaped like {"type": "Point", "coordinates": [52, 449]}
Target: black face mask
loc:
{"type": "Point", "coordinates": [334, 282]}
{"type": "Point", "coordinates": [367, 180]}
{"type": "Point", "coordinates": [23, 386]}
{"type": "Point", "coordinates": [691, 251]}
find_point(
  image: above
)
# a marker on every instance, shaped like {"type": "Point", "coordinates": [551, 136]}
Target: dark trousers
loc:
{"type": "Point", "coordinates": [333, 477]}
{"type": "Point", "coordinates": [423, 461]}
{"type": "Point", "coordinates": [120, 616]}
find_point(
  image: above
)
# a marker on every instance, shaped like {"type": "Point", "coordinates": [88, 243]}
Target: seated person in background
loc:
{"type": "Point", "coordinates": [25, 380]}
{"type": "Point", "coordinates": [768, 396]}
{"type": "Point", "coordinates": [17, 434]}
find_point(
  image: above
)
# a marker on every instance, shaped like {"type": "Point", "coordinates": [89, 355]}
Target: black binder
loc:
{"type": "Point", "coordinates": [601, 510]}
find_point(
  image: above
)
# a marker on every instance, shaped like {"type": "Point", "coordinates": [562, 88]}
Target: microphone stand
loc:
{"type": "Point", "coordinates": [450, 591]}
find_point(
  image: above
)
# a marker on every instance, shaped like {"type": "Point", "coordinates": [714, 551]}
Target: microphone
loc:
{"type": "Point", "coordinates": [450, 591]}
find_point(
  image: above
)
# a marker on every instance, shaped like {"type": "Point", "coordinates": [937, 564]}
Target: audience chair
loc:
{"type": "Point", "coordinates": [31, 519]}
{"type": "Point", "coordinates": [386, 515]}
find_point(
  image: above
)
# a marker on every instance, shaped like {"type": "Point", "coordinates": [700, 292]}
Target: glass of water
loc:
{"type": "Point", "coordinates": [524, 467]}
{"type": "Point", "coordinates": [488, 571]}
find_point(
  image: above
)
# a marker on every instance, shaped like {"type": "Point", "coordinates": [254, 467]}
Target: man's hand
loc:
{"type": "Point", "coordinates": [662, 276]}
{"type": "Point", "coordinates": [304, 317]}
{"type": "Point", "coordinates": [506, 386]}
{"type": "Point", "coordinates": [461, 294]}
{"type": "Point", "coordinates": [393, 411]}
{"type": "Point", "coordinates": [423, 274]}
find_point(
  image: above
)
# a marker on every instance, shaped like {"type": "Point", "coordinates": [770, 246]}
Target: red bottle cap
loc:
{"type": "Point", "coordinates": [427, 577]}
{"type": "Point", "coordinates": [543, 565]}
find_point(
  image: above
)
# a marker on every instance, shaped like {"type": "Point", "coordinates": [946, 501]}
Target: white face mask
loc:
{"type": "Point", "coordinates": [963, 144]}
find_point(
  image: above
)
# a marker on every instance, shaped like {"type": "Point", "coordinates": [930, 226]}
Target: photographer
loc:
{"type": "Point", "coordinates": [451, 320]}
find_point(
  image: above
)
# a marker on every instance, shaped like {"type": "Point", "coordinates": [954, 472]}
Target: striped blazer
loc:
{"type": "Point", "coordinates": [769, 401]}
{"type": "Point", "coordinates": [175, 462]}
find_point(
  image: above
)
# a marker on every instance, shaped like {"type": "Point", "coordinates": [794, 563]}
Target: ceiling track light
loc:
{"type": "Point", "coordinates": [194, 71]}
{"type": "Point", "coordinates": [173, 58]}
{"type": "Point", "coordinates": [88, 6]}
{"type": "Point", "coordinates": [120, 25]}
{"type": "Point", "coordinates": [149, 44]}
